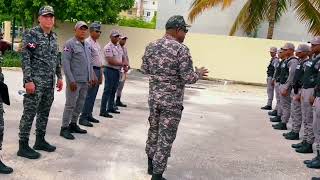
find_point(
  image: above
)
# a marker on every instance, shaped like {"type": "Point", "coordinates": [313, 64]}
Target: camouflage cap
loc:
{"type": "Point", "coordinates": [303, 48]}
{"type": "Point", "coordinates": [44, 10]}
{"type": "Point", "coordinates": [80, 24]}
{"type": "Point", "coordinates": [176, 21]}
{"type": "Point", "coordinates": [288, 46]}
{"type": "Point", "coordinates": [273, 49]}
{"type": "Point", "coordinates": [315, 40]}
{"type": "Point", "coordinates": [95, 26]}
{"type": "Point", "coordinates": [114, 33]}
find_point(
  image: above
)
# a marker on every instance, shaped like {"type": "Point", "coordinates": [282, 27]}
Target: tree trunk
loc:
{"type": "Point", "coordinates": [272, 17]}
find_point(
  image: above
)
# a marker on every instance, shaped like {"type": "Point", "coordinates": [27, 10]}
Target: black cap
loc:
{"type": "Point", "coordinates": [95, 26]}
{"type": "Point", "coordinates": [44, 10]}
{"type": "Point", "coordinates": [176, 21]}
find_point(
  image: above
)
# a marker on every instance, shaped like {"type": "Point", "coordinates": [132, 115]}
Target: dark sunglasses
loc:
{"type": "Point", "coordinates": [98, 32]}
{"type": "Point", "coordinates": [184, 29]}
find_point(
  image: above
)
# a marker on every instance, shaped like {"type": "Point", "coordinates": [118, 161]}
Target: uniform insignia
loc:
{"type": "Point", "coordinates": [65, 49]}
{"type": "Point", "coordinates": [31, 45]}
{"type": "Point", "coordinates": [298, 66]}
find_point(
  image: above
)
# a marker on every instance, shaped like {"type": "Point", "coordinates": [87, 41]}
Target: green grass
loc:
{"type": "Point", "coordinates": [136, 22]}
{"type": "Point", "coordinates": [11, 59]}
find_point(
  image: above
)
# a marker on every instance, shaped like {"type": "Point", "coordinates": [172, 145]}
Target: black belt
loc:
{"type": "Point", "coordinates": [112, 68]}
{"type": "Point", "coordinates": [96, 67]}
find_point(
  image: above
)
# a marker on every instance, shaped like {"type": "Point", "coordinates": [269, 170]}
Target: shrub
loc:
{"type": "Point", "coordinates": [11, 59]}
{"type": "Point", "coordinates": [136, 22]}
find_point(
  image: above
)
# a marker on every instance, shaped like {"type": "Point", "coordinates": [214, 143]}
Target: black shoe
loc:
{"type": "Point", "coordinates": [273, 113]}
{"type": "Point", "coordinates": [292, 136]}
{"type": "Point", "coordinates": [266, 107]}
{"type": "Point", "coordinates": [276, 119]}
{"type": "Point", "coordinates": [119, 103]}
{"type": "Point", "coordinates": [93, 120]}
{"type": "Point", "coordinates": [314, 164]}
{"type": "Point", "coordinates": [85, 122]}
{"type": "Point", "coordinates": [157, 177]}
{"type": "Point", "coordinates": [42, 144]}
{"type": "Point", "coordinates": [113, 111]}
{"type": "Point", "coordinates": [315, 178]}
{"type": "Point", "coordinates": [305, 148]}
{"type": "Point", "coordinates": [74, 128]}
{"type": "Point", "coordinates": [66, 133]}
{"type": "Point", "coordinates": [314, 159]}
{"type": "Point", "coordinates": [286, 134]}
{"type": "Point", "coordinates": [26, 151]}
{"type": "Point", "coordinates": [150, 166]}
{"type": "Point", "coordinates": [5, 169]}
{"type": "Point", "coordinates": [106, 114]}
{"type": "Point", "coordinates": [115, 108]}
{"type": "Point", "coordinates": [298, 145]}
{"type": "Point", "coordinates": [280, 126]}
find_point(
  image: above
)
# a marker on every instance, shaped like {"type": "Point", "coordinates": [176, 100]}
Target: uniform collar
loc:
{"type": "Point", "coordinates": [42, 32]}
{"type": "Point", "coordinates": [167, 36]}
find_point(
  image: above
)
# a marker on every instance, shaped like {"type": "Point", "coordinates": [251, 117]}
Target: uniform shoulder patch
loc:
{"type": "Point", "coordinates": [31, 45]}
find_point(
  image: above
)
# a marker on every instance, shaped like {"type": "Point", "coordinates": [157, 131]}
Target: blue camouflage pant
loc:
{"type": "Point", "coordinates": [163, 129]}
{"type": "Point", "coordinates": [36, 104]}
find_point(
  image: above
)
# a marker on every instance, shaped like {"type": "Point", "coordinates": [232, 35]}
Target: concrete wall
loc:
{"type": "Point", "coordinates": [232, 58]}
{"type": "Point", "coordinates": [215, 21]}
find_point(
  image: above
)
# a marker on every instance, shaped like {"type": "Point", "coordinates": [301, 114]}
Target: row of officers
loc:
{"type": "Point", "coordinates": [294, 78]}
{"type": "Point", "coordinates": [85, 65]}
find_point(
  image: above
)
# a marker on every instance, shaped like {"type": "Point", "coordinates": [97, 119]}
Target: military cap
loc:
{"type": "Point", "coordinates": [288, 46]}
{"type": "Point", "coordinates": [45, 10]}
{"type": "Point", "coordinates": [273, 49]}
{"type": "Point", "coordinates": [176, 21]}
{"type": "Point", "coordinates": [80, 24]}
{"type": "Point", "coordinates": [303, 48]}
{"type": "Point", "coordinates": [95, 26]}
{"type": "Point", "coordinates": [114, 33]}
{"type": "Point", "coordinates": [315, 40]}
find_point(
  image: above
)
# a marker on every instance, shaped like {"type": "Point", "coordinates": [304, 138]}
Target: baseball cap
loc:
{"type": "Point", "coordinates": [280, 50]}
{"type": "Point", "coordinates": [114, 33]}
{"type": "Point", "coordinates": [315, 40]}
{"type": "Point", "coordinates": [288, 46]}
{"type": "Point", "coordinates": [80, 24]}
{"type": "Point", "coordinates": [303, 48]}
{"type": "Point", "coordinates": [95, 26]}
{"type": "Point", "coordinates": [44, 10]}
{"type": "Point", "coordinates": [273, 49]}
{"type": "Point", "coordinates": [176, 21]}
{"type": "Point", "coordinates": [123, 37]}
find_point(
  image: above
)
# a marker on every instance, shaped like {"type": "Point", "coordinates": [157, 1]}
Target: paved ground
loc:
{"type": "Point", "coordinates": [223, 136]}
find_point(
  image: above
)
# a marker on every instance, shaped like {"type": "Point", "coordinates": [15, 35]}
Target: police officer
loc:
{"type": "Point", "coordinates": [288, 69]}
{"type": "Point", "coordinates": [3, 168]}
{"type": "Point", "coordinates": [270, 72]}
{"type": "Point", "coordinates": [315, 162]}
{"type": "Point", "coordinates": [276, 81]}
{"type": "Point", "coordinates": [124, 70]}
{"type": "Point", "coordinates": [86, 116]}
{"type": "Point", "coordinates": [169, 65]}
{"type": "Point", "coordinates": [302, 52]}
{"type": "Point", "coordinates": [114, 63]}
{"type": "Point", "coordinates": [79, 74]}
{"type": "Point", "coordinates": [40, 64]}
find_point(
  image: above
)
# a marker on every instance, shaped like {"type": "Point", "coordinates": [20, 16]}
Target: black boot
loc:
{"type": "Point", "coordinates": [119, 103]}
{"type": "Point", "coordinates": [150, 166]}
{"type": "Point", "coordinates": [5, 169]}
{"type": "Point", "coordinates": [93, 120]}
{"type": "Point", "coordinates": [314, 159]}
{"type": "Point", "coordinates": [42, 144]}
{"type": "Point", "coordinates": [267, 107]}
{"type": "Point", "coordinates": [74, 128]}
{"type": "Point", "coordinates": [276, 119]}
{"type": "Point", "coordinates": [299, 144]}
{"type": "Point", "coordinates": [305, 148]}
{"type": "Point", "coordinates": [105, 114]}
{"type": "Point", "coordinates": [280, 126]}
{"type": "Point", "coordinates": [157, 177]}
{"type": "Point", "coordinates": [66, 133]}
{"type": "Point", "coordinates": [273, 113]}
{"type": "Point", "coordinates": [315, 178]}
{"type": "Point", "coordinates": [85, 122]}
{"type": "Point", "coordinates": [292, 136]}
{"type": "Point", "coordinates": [26, 151]}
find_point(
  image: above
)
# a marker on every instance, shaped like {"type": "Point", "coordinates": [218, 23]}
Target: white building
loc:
{"type": "Point", "coordinates": [219, 22]}
{"type": "Point", "coordinates": [150, 8]}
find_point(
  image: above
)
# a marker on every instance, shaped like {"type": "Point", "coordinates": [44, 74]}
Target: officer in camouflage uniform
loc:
{"type": "Point", "coordinates": [40, 65]}
{"type": "Point", "coordinates": [302, 52]}
{"type": "Point", "coordinates": [3, 168]}
{"type": "Point", "coordinates": [169, 65]}
{"type": "Point", "coordinates": [270, 72]}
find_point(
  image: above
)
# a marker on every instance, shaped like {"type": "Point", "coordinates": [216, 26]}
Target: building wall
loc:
{"type": "Point", "coordinates": [219, 22]}
{"type": "Point", "coordinates": [150, 8]}
{"type": "Point", "coordinates": [227, 57]}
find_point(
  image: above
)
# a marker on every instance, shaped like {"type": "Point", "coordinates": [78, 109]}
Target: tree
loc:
{"type": "Point", "coordinates": [254, 12]}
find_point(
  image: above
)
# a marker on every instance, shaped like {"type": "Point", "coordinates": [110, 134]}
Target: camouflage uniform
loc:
{"type": "Point", "coordinates": [40, 64]}
{"type": "Point", "coordinates": [1, 116]}
{"type": "Point", "coordinates": [169, 65]}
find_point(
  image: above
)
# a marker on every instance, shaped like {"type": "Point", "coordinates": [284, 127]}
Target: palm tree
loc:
{"type": "Point", "coordinates": [254, 12]}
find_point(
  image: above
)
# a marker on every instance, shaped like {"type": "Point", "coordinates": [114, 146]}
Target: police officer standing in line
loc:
{"type": "Point", "coordinates": [86, 116]}
{"type": "Point", "coordinates": [276, 81]}
{"type": "Point", "coordinates": [79, 73]}
{"type": "Point", "coordinates": [288, 69]}
{"type": "Point", "coordinates": [3, 168]}
{"type": "Point", "coordinates": [315, 162]}
{"type": "Point", "coordinates": [124, 70]}
{"type": "Point", "coordinates": [270, 72]}
{"type": "Point", "coordinates": [302, 52]}
{"type": "Point", "coordinates": [40, 64]}
{"type": "Point", "coordinates": [169, 65]}
{"type": "Point", "coordinates": [114, 63]}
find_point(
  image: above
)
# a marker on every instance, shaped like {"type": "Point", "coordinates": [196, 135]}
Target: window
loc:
{"type": "Point", "coordinates": [148, 14]}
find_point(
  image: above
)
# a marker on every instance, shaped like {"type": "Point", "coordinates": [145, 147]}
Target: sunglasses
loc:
{"type": "Point", "coordinates": [184, 29]}
{"type": "Point", "coordinates": [98, 32]}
